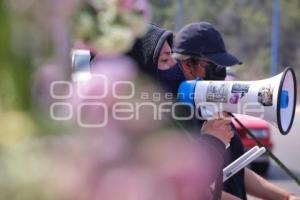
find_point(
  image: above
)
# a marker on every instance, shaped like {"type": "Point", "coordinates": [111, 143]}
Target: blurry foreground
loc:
{"type": "Point", "coordinates": [59, 139]}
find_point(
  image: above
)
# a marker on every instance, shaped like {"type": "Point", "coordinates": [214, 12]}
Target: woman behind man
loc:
{"type": "Point", "coordinates": [154, 57]}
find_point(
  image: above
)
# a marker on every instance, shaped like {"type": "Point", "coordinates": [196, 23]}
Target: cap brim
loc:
{"type": "Point", "coordinates": [224, 59]}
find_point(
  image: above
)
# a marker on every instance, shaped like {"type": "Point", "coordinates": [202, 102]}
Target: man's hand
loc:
{"type": "Point", "coordinates": [219, 127]}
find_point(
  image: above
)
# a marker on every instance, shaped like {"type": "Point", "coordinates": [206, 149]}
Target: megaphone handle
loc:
{"type": "Point", "coordinates": [280, 164]}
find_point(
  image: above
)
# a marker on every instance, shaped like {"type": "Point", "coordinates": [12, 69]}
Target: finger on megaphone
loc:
{"type": "Point", "coordinates": [222, 115]}
{"type": "Point", "coordinates": [224, 122]}
{"type": "Point", "coordinates": [216, 116]}
{"type": "Point", "coordinates": [226, 115]}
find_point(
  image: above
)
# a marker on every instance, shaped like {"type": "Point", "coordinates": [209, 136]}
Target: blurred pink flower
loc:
{"type": "Point", "coordinates": [178, 159]}
{"type": "Point", "coordinates": [43, 78]}
{"type": "Point", "coordinates": [75, 163]}
{"type": "Point", "coordinates": [132, 183]}
{"type": "Point", "coordinates": [110, 78]}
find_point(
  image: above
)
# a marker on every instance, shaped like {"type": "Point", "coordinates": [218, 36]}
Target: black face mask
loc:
{"type": "Point", "coordinates": [215, 72]}
{"type": "Point", "coordinates": [171, 78]}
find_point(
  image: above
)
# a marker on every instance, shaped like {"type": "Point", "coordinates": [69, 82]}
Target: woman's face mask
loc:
{"type": "Point", "coordinates": [171, 78]}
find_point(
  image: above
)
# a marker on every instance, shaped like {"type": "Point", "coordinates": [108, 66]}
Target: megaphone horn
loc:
{"type": "Point", "coordinates": [275, 97]}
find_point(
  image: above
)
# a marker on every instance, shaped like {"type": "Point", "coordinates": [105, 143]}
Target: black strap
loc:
{"type": "Point", "coordinates": [280, 164]}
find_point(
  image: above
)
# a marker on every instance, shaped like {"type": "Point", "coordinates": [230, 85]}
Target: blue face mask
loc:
{"type": "Point", "coordinates": [171, 78]}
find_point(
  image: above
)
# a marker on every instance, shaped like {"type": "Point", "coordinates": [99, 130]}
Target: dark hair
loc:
{"type": "Point", "coordinates": [193, 60]}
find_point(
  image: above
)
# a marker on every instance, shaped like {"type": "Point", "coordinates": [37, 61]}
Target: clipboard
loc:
{"type": "Point", "coordinates": [242, 162]}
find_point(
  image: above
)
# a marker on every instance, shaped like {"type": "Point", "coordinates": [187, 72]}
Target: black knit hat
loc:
{"type": "Point", "coordinates": [146, 50]}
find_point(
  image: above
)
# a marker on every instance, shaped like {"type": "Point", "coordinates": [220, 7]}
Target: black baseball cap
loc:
{"type": "Point", "coordinates": [203, 39]}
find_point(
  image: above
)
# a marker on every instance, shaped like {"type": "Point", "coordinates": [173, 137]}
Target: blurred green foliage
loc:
{"type": "Point", "coordinates": [15, 69]}
{"type": "Point", "coordinates": [24, 45]}
{"type": "Point", "coordinates": [247, 29]}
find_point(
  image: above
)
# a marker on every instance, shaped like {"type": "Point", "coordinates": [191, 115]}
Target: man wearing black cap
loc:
{"type": "Point", "coordinates": [200, 49]}
{"type": "Point", "coordinates": [201, 44]}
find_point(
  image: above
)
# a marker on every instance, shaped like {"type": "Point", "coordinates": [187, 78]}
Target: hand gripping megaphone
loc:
{"type": "Point", "coordinates": [272, 99]}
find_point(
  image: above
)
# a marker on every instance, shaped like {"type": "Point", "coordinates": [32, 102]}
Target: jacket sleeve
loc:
{"type": "Point", "coordinates": [213, 155]}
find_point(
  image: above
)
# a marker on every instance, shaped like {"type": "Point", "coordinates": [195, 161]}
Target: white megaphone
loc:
{"type": "Point", "coordinates": [272, 99]}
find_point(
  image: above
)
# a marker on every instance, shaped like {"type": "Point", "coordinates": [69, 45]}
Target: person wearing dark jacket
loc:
{"type": "Point", "coordinates": [152, 54]}
{"type": "Point", "coordinates": [200, 49]}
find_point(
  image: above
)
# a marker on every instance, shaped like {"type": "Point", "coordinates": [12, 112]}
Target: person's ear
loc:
{"type": "Point", "coordinates": [187, 66]}
{"type": "Point", "coordinates": [187, 69]}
